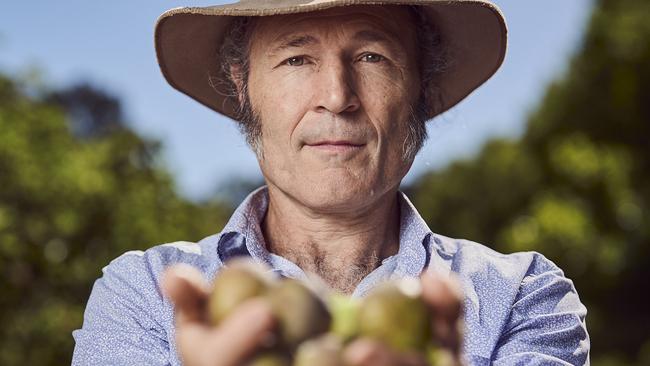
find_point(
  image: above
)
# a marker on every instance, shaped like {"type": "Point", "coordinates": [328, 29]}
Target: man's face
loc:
{"type": "Point", "coordinates": [334, 91]}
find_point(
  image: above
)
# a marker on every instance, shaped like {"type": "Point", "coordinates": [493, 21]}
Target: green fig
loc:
{"type": "Point", "coordinates": [235, 283]}
{"type": "Point", "coordinates": [325, 350]}
{"type": "Point", "coordinates": [437, 356]}
{"type": "Point", "coordinates": [300, 312]}
{"type": "Point", "coordinates": [395, 314]}
{"type": "Point", "coordinates": [345, 314]}
{"type": "Point", "coordinates": [270, 358]}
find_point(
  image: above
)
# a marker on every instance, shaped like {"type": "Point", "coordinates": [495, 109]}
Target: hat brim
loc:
{"type": "Point", "coordinates": [187, 42]}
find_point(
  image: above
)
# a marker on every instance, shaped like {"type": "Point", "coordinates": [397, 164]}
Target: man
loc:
{"type": "Point", "coordinates": [333, 98]}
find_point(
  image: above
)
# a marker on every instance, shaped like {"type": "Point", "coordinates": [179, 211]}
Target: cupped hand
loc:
{"type": "Point", "coordinates": [202, 344]}
{"type": "Point", "coordinates": [444, 297]}
{"type": "Point", "coordinates": [249, 327]}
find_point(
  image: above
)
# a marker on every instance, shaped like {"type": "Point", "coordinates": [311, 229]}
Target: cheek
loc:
{"type": "Point", "coordinates": [281, 107]}
{"type": "Point", "coordinates": [389, 109]}
{"type": "Point", "coordinates": [397, 89]}
{"type": "Point", "coordinates": [389, 90]}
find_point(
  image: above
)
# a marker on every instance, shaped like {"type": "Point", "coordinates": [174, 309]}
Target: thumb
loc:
{"type": "Point", "coordinates": [185, 287]}
{"type": "Point", "coordinates": [444, 296]}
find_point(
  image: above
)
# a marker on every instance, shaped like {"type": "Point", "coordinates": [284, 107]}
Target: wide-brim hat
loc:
{"type": "Point", "coordinates": [188, 40]}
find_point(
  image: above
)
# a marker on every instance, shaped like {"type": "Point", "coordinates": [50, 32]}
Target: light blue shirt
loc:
{"type": "Point", "coordinates": [519, 309]}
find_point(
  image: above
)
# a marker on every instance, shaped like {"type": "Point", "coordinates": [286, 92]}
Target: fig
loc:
{"type": "Point", "coordinates": [345, 313]}
{"type": "Point", "coordinates": [396, 314]}
{"type": "Point", "coordinates": [437, 356]}
{"type": "Point", "coordinates": [301, 314]}
{"type": "Point", "coordinates": [325, 350]}
{"type": "Point", "coordinates": [270, 358]}
{"type": "Point", "coordinates": [236, 283]}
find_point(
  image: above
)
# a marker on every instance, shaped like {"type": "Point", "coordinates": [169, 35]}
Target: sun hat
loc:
{"type": "Point", "coordinates": [188, 40]}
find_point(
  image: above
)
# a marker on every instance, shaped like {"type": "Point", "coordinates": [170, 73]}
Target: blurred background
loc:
{"type": "Point", "coordinates": [98, 156]}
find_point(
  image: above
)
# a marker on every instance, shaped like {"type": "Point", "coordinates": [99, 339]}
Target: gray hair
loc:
{"type": "Point", "coordinates": [432, 62]}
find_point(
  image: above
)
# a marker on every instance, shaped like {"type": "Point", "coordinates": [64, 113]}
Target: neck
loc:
{"type": "Point", "coordinates": [342, 247]}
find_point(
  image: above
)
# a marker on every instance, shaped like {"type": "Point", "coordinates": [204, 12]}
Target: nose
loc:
{"type": "Point", "coordinates": [335, 89]}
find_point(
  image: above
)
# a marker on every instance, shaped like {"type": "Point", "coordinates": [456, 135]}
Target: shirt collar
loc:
{"type": "Point", "coordinates": [414, 235]}
{"type": "Point", "coordinates": [242, 235]}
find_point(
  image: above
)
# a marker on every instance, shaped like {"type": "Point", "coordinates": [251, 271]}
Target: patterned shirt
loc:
{"type": "Point", "coordinates": [519, 309]}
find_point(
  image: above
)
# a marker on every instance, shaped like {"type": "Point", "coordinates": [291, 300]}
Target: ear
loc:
{"type": "Point", "coordinates": [237, 76]}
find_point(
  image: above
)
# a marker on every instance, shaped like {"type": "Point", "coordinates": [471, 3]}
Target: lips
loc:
{"type": "Point", "coordinates": [336, 143]}
{"type": "Point", "coordinates": [336, 146]}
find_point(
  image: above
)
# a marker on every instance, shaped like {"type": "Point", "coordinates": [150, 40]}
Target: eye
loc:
{"type": "Point", "coordinates": [294, 61]}
{"type": "Point", "coordinates": [372, 58]}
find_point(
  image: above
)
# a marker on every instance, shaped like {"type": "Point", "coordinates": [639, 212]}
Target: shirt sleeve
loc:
{"type": "Point", "coordinates": [119, 327]}
{"type": "Point", "coordinates": [547, 321]}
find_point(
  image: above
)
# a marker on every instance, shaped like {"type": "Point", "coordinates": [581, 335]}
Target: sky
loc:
{"type": "Point", "coordinates": [110, 44]}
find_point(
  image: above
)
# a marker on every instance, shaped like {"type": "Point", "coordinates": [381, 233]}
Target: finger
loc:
{"type": "Point", "coordinates": [443, 294]}
{"type": "Point", "coordinates": [236, 338]}
{"type": "Point", "coordinates": [188, 291]}
{"type": "Point", "coordinates": [365, 352]}
{"type": "Point", "coordinates": [445, 299]}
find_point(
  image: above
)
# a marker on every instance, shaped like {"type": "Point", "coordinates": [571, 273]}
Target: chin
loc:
{"type": "Point", "coordinates": [330, 194]}
{"type": "Point", "coordinates": [333, 190]}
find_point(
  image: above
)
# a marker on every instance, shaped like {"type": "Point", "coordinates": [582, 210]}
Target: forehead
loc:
{"type": "Point", "coordinates": [395, 21]}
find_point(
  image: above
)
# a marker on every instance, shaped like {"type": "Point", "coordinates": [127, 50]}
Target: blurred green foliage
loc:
{"type": "Point", "coordinates": [576, 186]}
{"type": "Point", "coordinates": [77, 191]}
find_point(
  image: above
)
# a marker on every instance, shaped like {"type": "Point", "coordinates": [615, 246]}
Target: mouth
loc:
{"type": "Point", "coordinates": [336, 146]}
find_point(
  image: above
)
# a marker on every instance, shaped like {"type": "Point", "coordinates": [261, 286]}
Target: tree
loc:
{"type": "Point", "coordinates": [90, 112]}
{"type": "Point", "coordinates": [78, 189]}
{"type": "Point", "coordinates": [576, 186]}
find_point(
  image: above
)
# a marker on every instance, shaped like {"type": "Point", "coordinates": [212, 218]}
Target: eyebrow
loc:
{"type": "Point", "coordinates": [295, 42]}
{"type": "Point", "coordinates": [306, 40]}
{"type": "Point", "coordinates": [373, 36]}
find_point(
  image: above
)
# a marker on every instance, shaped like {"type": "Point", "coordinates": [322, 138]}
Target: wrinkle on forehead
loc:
{"type": "Point", "coordinates": [395, 21]}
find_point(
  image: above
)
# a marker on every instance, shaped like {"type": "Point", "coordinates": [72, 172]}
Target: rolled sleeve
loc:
{"type": "Point", "coordinates": [547, 321]}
